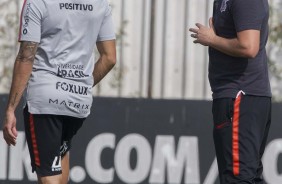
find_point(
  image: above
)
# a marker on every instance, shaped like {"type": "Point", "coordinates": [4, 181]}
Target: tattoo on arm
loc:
{"type": "Point", "coordinates": [27, 51]}
{"type": "Point", "coordinates": [13, 102]}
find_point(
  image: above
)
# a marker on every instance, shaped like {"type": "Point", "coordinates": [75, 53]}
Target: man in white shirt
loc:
{"type": "Point", "coordinates": [55, 68]}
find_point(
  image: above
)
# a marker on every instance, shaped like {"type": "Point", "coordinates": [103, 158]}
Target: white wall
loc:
{"type": "Point", "coordinates": [179, 66]}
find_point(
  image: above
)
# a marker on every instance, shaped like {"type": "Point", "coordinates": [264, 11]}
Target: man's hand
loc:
{"type": "Point", "coordinates": [203, 34]}
{"type": "Point", "coordinates": [9, 129]}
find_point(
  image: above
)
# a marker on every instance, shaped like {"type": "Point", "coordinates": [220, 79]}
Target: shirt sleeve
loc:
{"type": "Point", "coordinates": [248, 14]}
{"type": "Point", "coordinates": [30, 21]}
{"type": "Point", "coordinates": [107, 31]}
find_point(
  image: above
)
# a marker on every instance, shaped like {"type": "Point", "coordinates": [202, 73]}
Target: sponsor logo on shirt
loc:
{"type": "Point", "coordinates": [72, 88]}
{"type": "Point", "coordinates": [72, 71]}
{"type": "Point", "coordinates": [76, 6]}
{"type": "Point", "coordinates": [71, 66]}
{"type": "Point", "coordinates": [223, 6]}
{"type": "Point", "coordinates": [26, 18]}
{"type": "Point", "coordinates": [83, 107]}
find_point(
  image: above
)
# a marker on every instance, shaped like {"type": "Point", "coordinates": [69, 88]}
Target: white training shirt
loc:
{"type": "Point", "coordinates": [67, 31]}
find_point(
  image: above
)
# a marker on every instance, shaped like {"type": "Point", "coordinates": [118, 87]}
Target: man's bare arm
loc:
{"type": "Point", "coordinates": [245, 45]}
{"type": "Point", "coordinates": [22, 70]}
{"type": "Point", "coordinates": [107, 60]}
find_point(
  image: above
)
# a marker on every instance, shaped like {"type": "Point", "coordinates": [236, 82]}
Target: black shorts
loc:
{"type": "Point", "coordinates": [49, 139]}
{"type": "Point", "coordinates": [241, 128]}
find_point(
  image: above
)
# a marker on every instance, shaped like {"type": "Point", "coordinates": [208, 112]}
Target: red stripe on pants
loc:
{"type": "Point", "coordinates": [33, 140]}
{"type": "Point", "coordinates": [235, 136]}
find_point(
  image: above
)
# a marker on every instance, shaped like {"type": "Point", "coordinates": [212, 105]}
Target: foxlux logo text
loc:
{"type": "Point", "coordinates": [72, 88]}
{"type": "Point", "coordinates": [26, 18]}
